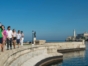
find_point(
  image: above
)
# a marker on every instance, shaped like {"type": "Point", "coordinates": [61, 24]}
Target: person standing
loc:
{"type": "Point", "coordinates": [0, 24]}
{"type": "Point", "coordinates": [9, 38]}
{"type": "Point", "coordinates": [4, 35]}
{"type": "Point", "coordinates": [22, 38]}
{"type": "Point", "coordinates": [18, 38]}
{"type": "Point", "coordinates": [1, 38]}
{"type": "Point", "coordinates": [14, 38]}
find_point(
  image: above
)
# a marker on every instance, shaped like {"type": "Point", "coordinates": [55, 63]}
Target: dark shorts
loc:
{"type": "Point", "coordinates": [1, 40]}
{"type": "Point", "coordinates": [18, 41]}
{"type": "Point", "coordinates": [14, 38]}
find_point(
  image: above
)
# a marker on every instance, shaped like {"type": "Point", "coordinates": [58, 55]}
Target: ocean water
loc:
{"type": "Point", "coordinates": [55, 40]}
{"type": "Point", "coordinates": [78, 58]}
{"type": "Point", "coordinates": [47, 41]}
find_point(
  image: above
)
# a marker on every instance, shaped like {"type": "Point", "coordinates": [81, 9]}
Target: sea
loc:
{"type": "Point", "coordinates": [77, 58]}
{"type": "Point", "coordinates": [48, 41]}
{"type": "Point", "coordinates": [55, 40]}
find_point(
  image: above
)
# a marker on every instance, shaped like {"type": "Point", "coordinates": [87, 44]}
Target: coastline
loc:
{"type": "Point", "coordinates": [31, 55]}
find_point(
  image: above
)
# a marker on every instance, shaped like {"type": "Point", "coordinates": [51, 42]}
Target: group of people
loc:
{"type": "Point", "coordinates": [10, 37]}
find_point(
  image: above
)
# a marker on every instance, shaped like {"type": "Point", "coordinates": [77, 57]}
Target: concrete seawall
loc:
{"type": "Point", "coordinates": [28, 55]}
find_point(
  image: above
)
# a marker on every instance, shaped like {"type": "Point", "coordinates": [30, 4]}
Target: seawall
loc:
{"type": "Point", "coordinates": [32, 56]}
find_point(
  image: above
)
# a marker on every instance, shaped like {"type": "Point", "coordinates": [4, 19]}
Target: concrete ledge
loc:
{"type": "Point", "coordinates": [70, 50]}
{"type": "Point", "coordinates": [40, 42]}
{"type": "Point", "coordinates": [33, 55]}
{"type": "Point", "coordinates": [47, 61]}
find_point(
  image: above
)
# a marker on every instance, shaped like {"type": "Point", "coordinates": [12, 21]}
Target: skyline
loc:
{"type": "Point", "coordinates": [51, 19]}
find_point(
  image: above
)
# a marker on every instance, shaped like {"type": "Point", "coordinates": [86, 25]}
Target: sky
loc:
{"type": "Point", "coordinates": [51, 19]}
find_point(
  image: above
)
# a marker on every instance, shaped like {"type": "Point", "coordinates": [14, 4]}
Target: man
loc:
{"type": "Point", "coordinates": [34, 37]}
{"type": "Point", "coordinates": [9, 38]}
{"type": "Point", "coordinates": [22, 38]}
{"type": "Point", "coordinates": [0, 24]}
{"type": "Point", "coordinates": [18, 38]}
{"type": "Point", "coordinates": [1, 38]}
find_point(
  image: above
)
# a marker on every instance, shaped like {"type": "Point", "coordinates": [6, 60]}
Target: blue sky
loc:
{"type": "Point", "coordinates": [51, 19]}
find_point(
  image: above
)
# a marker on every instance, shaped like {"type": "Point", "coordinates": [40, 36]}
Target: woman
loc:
{"type": "Point", "coordinates": [14, 34]}
{"type": "Point", "coordinates": [22, 38]}
{"type": "Point", "coordinates": [4, 35]}
{"type": "Point", "coordinates": [1, 38]}
{"type": "Point", "coordinates": [18, 38]}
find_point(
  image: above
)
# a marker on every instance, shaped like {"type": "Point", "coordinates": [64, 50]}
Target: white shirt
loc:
{"type": "Point", "coordinates": [18, 36]}
{"type": "Point", "coordinates": [22, 35]}
{"type": "Point", "coordinates": [14, 34]}
{"type": "Point", "coordinates": [9, 32]}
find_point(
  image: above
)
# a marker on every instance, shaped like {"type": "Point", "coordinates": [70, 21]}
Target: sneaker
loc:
{"type": "Point", "coordinates": [7, 49]}
{"type": "Point", "coordinates": [11, 48]}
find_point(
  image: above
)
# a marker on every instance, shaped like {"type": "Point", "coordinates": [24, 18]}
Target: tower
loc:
{"type": "Point", "coordinates": [74, 33]}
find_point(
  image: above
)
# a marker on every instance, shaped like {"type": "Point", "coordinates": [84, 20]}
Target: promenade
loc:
{"type": "Point", "coordinates": [35, 55]}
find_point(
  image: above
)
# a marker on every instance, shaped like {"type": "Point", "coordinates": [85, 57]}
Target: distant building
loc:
{"type": "Point", "coordinates": [82, 36]}
{"type": "Point", "coordinates": [79, 37]}
{"type": "Point", "coordinates": [72, 38]}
